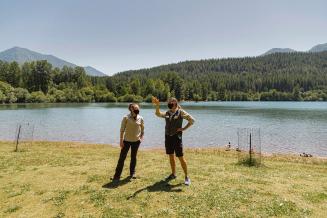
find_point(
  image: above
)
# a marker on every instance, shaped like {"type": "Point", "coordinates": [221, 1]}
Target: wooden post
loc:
{"type": "Point", "coordinates": [18, 135]}
{"type": "Point", "coordinates": [250, 151]}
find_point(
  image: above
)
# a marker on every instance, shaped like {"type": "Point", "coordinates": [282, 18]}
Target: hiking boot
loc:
{"type": "Point", "coordinates": [170, 177]}
{"type": "Point", "coordinates": [115, 179]}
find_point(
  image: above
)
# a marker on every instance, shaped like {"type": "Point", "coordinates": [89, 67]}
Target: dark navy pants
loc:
{"type": "Point", "coordinates": [123, 153]}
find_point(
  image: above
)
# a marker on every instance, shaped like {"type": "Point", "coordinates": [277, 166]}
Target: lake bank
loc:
{"type": "Point", "coordinates": [65, 178]}
{"type": "Point", "coordinates": [286, 127]}
{"type": "Point", "coordinates": [161, 148]}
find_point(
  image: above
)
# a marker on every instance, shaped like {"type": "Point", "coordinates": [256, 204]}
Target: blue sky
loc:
{"type": "Point", "coordinates": [119, 35]}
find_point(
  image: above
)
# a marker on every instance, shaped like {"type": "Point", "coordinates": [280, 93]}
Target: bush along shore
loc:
{"type": "Point", "coordinates": [57, 179]}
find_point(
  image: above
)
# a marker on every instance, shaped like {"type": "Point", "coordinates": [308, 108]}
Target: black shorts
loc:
{"type": "Point", "coordinates": [174, 144]}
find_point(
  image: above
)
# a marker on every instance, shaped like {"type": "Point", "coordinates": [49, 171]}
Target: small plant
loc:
{"type": "Point", "coordinates": [59, 215]}
{"type": "Point", "coordinates": [251, 162]}
{"type": "Point", "coordinates": [315, 197]}
{"type": "Point", "coordinates": [280, 207]}
{"type": "Point", "coordinates": [60, 198]}
{"type": "Point", "coordinates": [12, 209]}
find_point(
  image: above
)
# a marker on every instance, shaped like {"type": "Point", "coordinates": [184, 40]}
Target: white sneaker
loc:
{"type": "Point", "coordinates": [187, 181]}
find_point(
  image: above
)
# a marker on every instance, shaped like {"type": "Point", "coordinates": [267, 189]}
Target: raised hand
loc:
{"type": "Point", "coordinates": [155, 101]}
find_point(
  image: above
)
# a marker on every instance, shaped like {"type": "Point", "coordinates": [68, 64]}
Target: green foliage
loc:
{"type": "Point", "coordinates": [39, 77]}
{"type": "Point", "coordinates": [2, 97]}
{"type": "Point", "coordinates": [130, 98]}
{"type": "Point", "coordinates": [6, 88]}
{"type": "Point", "coordinates": [103, 95]}
{"type": "Point", "coordinates": [8, 95]}
{"type": "Point", "coordinates": [22, 95]}
{"type": "Point", "coordinates": [275, 77]}
{"type": "Point", "coordinates": [38, 97]}
{"type": "Point", "coordinates": [56, 95]}
{"type": "Point", "coordinates": [292, 76]}
{"type": "Point", "coordinates": [316, 197]}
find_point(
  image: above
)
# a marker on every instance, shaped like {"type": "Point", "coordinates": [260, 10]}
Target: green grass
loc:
{"type": "Point", "coordinates": [63, 179]}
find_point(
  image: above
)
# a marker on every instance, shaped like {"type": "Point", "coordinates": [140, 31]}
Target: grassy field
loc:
{"type": "Point", "coordinates": [66, 179]}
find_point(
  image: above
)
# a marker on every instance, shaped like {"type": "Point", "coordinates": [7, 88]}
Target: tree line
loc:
{"type": "Point", "coordinates": [275, 77]}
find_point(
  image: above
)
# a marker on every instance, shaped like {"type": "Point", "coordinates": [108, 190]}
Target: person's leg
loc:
{"type": "Point", "coordinates": [180, 154]}
{"type": "Point", "coordinates": [184, 165]}
{"type": "Point", "coordinates": [172, 164]}
{"type": "Point", "coordinates": [134, 149]}
{"type": "Point", "coordinates": [170, 152]}
{"type": "Point", "coordinates": [122, 157]}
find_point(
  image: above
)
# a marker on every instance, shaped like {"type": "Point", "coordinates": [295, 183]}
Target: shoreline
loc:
{"type": "Point", "coordinates": [143, 102]}
{"type": "Point", "coordinates": [161, 148]}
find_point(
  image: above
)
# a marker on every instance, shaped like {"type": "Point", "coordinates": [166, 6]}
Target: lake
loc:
{"type": "Point", "coordinates": [286, 127]}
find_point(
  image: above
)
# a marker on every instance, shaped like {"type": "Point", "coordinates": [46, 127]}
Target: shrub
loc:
{"type": "Point", "coordinates": [2, 97]}
{"type": "Point", "coordinates": [104, 96]}
{"type": "Point", "coordinates": [130, 98]}
{"type": "Point", "coordinates": [22, 95]}
{"type": "Point", "coordinates": [38, 97]}
{"type": "Point", "coordinates": [8, 91]}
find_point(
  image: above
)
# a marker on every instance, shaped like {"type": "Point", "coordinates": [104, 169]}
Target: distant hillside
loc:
{"type": "Point", "coordinates": [279, 50]}
{"type": "Point", "coordinates": [273, 64]}
{"type": "Point", "coordinates": [279, 76]}
{"type": "Point", "coordinates": [319, 48]}
{"type": "Point", "coordinates": [316, 48]}
{"type": "Point", "coordinates": [93, 72]}
{"type": "Point", "coordinates": [22, 55]}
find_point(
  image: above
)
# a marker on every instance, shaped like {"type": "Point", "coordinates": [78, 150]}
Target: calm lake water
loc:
{"type": "Point", "coordinates": [286, 127]}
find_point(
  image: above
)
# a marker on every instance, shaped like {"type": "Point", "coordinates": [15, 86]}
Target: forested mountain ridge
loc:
{"type": "Point", "coordinates": [277, 77]}
{"type": "Point", "coordinates": [217, 79]}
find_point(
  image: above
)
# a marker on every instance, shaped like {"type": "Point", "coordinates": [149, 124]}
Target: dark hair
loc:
{"type": "Point", "coordinates": [131, 105]}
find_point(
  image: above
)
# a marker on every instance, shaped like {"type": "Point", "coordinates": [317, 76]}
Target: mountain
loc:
{"type": "Point", "coordinates": [22, 55]}
{"type": "Point", "coordinates": [279, 50]}
{"type": "Point", "coordinates": [319, 48]}
{"type": "Point", "coordinates": [93, 72]}
{"type": "Point", "coordinates": [316, 48]}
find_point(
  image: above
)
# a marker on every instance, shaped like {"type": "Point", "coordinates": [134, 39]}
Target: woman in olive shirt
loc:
{"type": "Point", "coordinates": [173, 134]}
{"type": "Point", "coordinates": [131, 135]}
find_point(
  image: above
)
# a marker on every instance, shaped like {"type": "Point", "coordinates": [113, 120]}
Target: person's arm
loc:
{"type": "Point", "coordinates": [158, 113]}
{"type": "Point", "coordinates": [122, 131]}
{"type": "Point", "coordinates": [142, 129]}
{"type": "Point", "coordinates": [187, 117]}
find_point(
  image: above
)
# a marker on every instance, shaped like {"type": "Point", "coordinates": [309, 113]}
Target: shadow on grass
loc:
{"type": "Point", "coordinates": [161, 186]}
{"type": "Point", "coordinates": [115, 184]}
